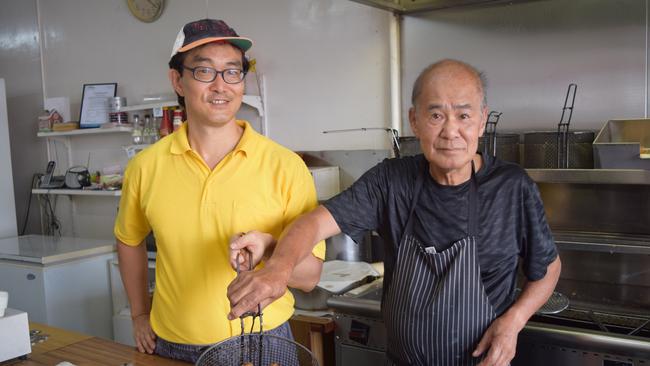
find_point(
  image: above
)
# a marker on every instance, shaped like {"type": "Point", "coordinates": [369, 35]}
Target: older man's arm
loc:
{"type": "Point", "coordinates": [500, 339]}
{"type": "Point", "coordinates": [290, 256]}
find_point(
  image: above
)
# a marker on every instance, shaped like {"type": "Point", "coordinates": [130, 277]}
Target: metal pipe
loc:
{"type": "Point", "coordinates": [395, 75]}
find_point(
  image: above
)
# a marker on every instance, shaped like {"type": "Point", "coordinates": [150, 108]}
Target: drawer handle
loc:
{"type": "Point", "coordinates": [31, 276]}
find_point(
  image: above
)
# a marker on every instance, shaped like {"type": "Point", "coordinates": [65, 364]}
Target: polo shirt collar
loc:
{"type": "Point", "coordinates": [180, 144]}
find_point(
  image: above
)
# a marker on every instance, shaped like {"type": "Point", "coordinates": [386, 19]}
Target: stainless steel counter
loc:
{"type": "Point", "coordinates": [48, 249]}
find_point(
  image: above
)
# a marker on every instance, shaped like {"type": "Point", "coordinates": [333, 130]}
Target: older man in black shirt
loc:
{"type": "Point", "coordinates": [455, 223]}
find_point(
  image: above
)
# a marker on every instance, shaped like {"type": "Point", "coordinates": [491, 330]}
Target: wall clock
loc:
{"type": "Point", "coordinates": [146, 10]}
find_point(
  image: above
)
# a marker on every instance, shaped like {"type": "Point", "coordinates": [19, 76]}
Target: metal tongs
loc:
{"type": "Point", "coordinates": [563, 128]}
{"type": "Point", "coordinates": [490, 146]}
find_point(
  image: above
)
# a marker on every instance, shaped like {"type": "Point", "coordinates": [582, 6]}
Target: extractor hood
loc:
{"type": "Point", "coordinates": [415, 6]}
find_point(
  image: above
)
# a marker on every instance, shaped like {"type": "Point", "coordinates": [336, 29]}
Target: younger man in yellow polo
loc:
{"type": "Point", "coordinates": [213, 178]}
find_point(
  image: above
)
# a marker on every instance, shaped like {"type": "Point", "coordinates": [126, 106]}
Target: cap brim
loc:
{"type": "Point", "coordinates": [241, 42]}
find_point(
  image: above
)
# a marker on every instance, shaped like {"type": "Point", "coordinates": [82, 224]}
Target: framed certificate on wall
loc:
{"type": "Point", "coordinates": [94, 104]}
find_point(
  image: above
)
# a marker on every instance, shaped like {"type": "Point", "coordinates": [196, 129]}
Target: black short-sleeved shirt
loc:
{"type": "Point", "coordinates": [512, 223]}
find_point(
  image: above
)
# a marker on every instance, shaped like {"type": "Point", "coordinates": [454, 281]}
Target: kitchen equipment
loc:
{"type": "Point", "coordinates": [563, 128]}
{"type": "Point", "coordinates": [337, 277]}
{"type": "Point", "coordinates": [540, 149]}
{"type": "Point", "coordinates": [556, 303]}
{"type": "Point", "coordinates": [14, 335]}
{"type": "Point", "coordinates": [409, 146]}
{"type": "Point", "coordinates": [563, 148]}
{"type": "Point", "coordinates": [600, 225]}
{"type": "Point", "coordinates": [507, 146]}
{"type": "Point", "coordinates": [394, 135]}
{"type": "Point", "coordinates": [342, 247]}
{"type": "Point", "coordinates": [77, 177]}
{"type": "Point", "coordinates": [4, 300]}
{"type": "Point", "coordinates": [490, 133]}
{"type": "Point", "coordinates": [256, 349]}
{"type": "Point", "coordinates": [623, 144]}
{"type": "Point", "coordinates": [326, 180]}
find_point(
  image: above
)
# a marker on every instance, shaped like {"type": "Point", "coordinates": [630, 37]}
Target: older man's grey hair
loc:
{"type": "Point", "coordinates": [479, 76]}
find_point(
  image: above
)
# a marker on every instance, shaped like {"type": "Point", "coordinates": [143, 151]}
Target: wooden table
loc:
{"type": "Point", "coordinates": [317, 334]}
{"type": "Point", "coordinates": [80, 349]}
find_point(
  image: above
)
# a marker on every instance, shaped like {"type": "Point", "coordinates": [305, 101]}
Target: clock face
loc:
{"type": "Point", "coordinates": [146, 10]}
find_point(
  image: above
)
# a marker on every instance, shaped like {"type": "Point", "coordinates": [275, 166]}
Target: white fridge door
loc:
{"type": "Point", "coordinates": [8, 225]}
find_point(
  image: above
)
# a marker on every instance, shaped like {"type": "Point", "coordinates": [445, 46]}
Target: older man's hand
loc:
{"type": "Point", "coordinates": [261, 287]}
{"type": "Point", "coordinates": [500, 341]}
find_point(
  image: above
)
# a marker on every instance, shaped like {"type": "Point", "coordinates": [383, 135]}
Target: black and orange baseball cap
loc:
{"type": "Point", "coordinates": [204, 31]}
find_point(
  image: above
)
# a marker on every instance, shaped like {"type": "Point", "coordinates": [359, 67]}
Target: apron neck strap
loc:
{"type": "Point", "coordinates": [473, 214]}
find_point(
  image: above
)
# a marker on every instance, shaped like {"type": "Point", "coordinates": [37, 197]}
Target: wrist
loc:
{"type": "Point", "coordinates": [280, 267]}
{"type": "Point", "coordinates": [135, 316]}
{"type": "Point", "coordinates": [518, 317]}
{"type": "Point", "coordinates": [269, 247]}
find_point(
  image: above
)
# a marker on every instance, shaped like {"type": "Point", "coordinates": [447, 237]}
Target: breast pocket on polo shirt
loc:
{"type": "Point", "coordinates": [250, 215]}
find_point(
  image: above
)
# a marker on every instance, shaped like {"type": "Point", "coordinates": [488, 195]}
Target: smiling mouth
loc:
{"type": "Point", "coordinates": [218, 101]}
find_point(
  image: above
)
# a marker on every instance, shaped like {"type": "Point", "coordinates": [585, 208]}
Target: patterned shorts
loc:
{"type": "Point", "coordinates": [191, 352]}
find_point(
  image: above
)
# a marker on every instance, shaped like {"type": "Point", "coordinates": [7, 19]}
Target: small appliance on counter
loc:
{"type": "Point", "coordinates": [77, 177]}
{"type": "Point", "coordinates": [14, 335]}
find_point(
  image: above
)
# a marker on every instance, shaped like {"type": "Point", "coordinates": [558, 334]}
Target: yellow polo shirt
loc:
{"type": "Point", "coordinates": [193, 211]}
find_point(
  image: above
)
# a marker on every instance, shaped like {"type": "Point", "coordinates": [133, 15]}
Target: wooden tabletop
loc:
{"type": "Point", "coordinates": [79, 349]}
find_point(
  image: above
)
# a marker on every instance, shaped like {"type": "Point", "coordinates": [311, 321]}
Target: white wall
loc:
{"type": "Point", "coordinates": [8, 224]}
{"type": "Point", "coordinates": [325, 64]}
{"type": "Point", "coordinates": [325, 61]}
{"type": "Point", "coordinates": [532, 51]}
{"type": "Point", "coordinates": [20, 66]}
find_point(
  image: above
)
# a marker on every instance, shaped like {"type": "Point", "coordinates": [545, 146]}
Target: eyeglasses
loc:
{"type": "Point", "coordinates": [207, 74]}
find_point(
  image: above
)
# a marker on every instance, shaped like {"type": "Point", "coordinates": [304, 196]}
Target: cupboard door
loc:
{"type": "Point", "coordinates": [25, 285]}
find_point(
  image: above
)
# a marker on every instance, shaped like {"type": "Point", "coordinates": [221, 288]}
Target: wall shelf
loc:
{"type": "Point", "coordinates": [254, 101]}
{"type": "Point", "coordinates": [419, 6]}
{"type": "Point", "coordinates": [140, 107]}
{"type": "Point", "coordinates": [85, 131]}
{"type": "Point", "coordinates": [77, 192]}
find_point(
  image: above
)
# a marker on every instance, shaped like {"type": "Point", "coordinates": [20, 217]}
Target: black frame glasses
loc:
{"type": "Point", "coordinates": [241, 74]}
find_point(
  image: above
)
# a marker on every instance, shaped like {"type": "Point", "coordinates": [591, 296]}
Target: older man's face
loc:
{"type": "Point", "coordinates": [448, 118]}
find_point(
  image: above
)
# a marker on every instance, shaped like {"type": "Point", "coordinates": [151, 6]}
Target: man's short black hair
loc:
{"type": "Point", "coordinates": [177, 61]}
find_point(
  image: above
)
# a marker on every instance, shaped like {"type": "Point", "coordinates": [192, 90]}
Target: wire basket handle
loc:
{"type": "Point", "coordinates": [490, 146]}
{"type": "Point", "coordinates": [259, 307]}
{"type": "Point", "coordinates": [563, 127]}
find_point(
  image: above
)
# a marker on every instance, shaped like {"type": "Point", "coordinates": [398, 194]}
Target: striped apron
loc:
{"type": "Point", "coordinates": [435, 308]}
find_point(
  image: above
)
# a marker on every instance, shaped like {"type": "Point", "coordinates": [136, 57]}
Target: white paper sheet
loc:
{"type": "Point", "coordinates": [339, 276]}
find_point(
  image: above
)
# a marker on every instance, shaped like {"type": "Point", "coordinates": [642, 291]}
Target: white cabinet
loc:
{"type": "Point", "coordinates": [326, 180]}
{"type": "Point", "coordinates": [62, 282]}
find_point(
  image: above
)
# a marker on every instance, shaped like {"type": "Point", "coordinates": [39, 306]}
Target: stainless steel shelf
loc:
{"type": "Point", "coordinates": [419, 6]}
{"type": "Point", "coordinates": [591, 176]}
{"type": "Point", "coordinates": [77, 192]}
{"type": "Point", "coordinates": [85, 131]}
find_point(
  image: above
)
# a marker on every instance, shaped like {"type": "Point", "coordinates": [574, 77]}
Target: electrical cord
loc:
{"type": "Point", "coordinates": [29, 201]}
{"type": "Point", "coordinates": [53, 227]}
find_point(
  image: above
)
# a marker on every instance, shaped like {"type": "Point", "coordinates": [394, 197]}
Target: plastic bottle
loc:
{"type": "Point", "coordinates": [147, 135]}
{"type": "Point", "coordinates": [155, 129]}
{"type": "Point", "coordinates": [166, 124]}
{"type": "Point", "coordinates": [178, 119]}
{"type": "Point", "coordinates": [136, 134]}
